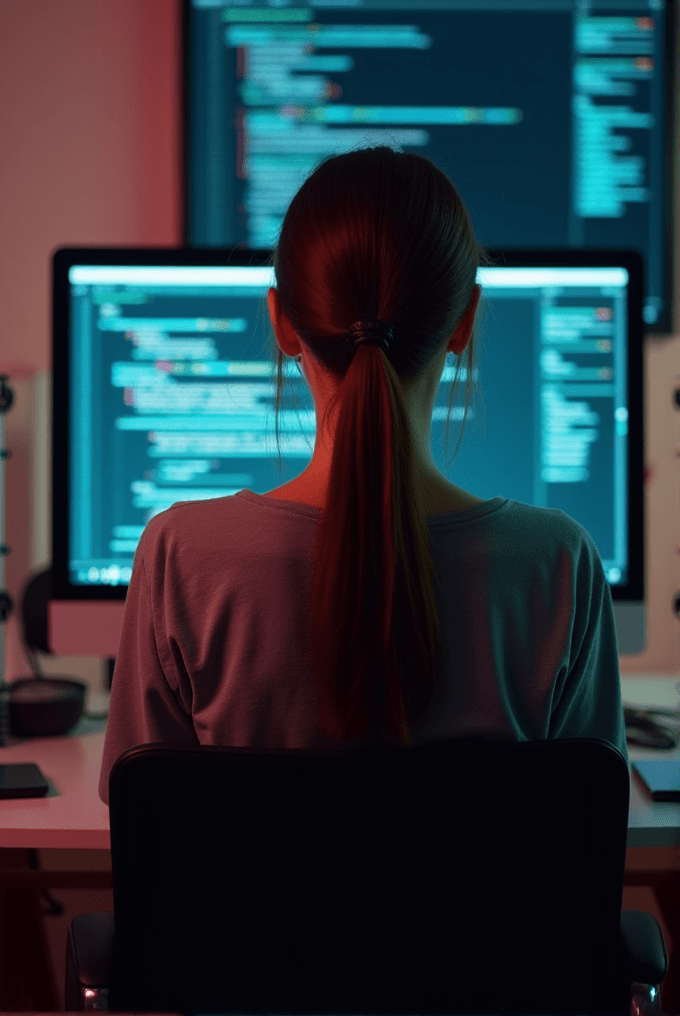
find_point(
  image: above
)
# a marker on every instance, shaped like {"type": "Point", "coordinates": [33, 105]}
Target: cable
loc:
{"type": "Point", "coordinates": [644, 732]}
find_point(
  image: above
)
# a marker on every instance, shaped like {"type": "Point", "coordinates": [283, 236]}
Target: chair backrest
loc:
{"type": "Point", "coordinates": [458, 876]}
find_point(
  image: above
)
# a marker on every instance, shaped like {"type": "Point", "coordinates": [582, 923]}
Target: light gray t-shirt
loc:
{"type": "Point", "coordinates": [215, 629]}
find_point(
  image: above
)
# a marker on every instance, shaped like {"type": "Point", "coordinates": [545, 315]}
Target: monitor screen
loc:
{"type": "Point", "coordinates": [164, 386]}
{"type": "Point", "coordinates": [552, 117]}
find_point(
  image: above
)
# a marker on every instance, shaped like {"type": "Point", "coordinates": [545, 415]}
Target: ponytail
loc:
{"type": "Point", "coordinates": [374, 235]}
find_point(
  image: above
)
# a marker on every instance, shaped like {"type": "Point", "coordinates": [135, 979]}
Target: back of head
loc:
{"type": "Point", "coordinates": [374, 235]}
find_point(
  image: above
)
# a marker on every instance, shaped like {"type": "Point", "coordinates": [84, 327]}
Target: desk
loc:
{"type": "Point", "coordinates": [38, 835]}
{"type": "Point", "coordinates": [653, 854]}
{"type": "Point", "coordinates": [72, 817]}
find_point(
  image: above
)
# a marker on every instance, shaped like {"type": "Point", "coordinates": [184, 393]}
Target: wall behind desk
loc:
{"type": "Point", "coordinates": [91, 153]}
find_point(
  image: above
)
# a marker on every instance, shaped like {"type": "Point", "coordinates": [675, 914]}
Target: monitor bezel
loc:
{"type": "Point", "coordinates": [64, 258]}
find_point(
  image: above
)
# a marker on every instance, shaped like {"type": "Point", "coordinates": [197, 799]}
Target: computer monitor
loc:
{"type": "Point", "coordinates": [554, 118]}
{"type": "Point", "coordinates": [163, 391]}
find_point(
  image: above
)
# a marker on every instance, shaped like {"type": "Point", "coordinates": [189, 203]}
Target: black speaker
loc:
{"type": "Point", "coordinates": [42, 706]}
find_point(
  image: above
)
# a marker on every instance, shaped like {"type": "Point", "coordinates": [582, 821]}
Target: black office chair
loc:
{"type": "Point", "coordinates": [454, 877]}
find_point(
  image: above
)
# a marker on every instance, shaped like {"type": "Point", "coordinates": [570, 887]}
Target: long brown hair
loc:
{"type": "Point", "coordinates": [374, 234]}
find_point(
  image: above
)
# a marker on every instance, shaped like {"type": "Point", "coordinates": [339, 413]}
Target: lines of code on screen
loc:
{"type": "Point", "coordinates": [172, 386]}
{"type": "Point", "coordinates": [548, 115]}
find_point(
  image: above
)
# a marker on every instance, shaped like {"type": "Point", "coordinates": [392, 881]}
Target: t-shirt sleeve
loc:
{"type": "Point", "coordinates": [143, 707]}
{"type": "Point", "coordinates": [589, 704]}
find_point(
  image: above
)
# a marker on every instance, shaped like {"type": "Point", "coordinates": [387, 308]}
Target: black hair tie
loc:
{"type": "Point", "coordinates": [371, 331]}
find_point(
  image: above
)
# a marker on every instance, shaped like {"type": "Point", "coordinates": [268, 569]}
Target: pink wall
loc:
{"type": "Point", "coordinates": [90, 145]}
{"type": "Point", "coordinates": [90, 153]}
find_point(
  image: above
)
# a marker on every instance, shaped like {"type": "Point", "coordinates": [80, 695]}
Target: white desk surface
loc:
{"type": "Point", "coordinates": [71, 815]}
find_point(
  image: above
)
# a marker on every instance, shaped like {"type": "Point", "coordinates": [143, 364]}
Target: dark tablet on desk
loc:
{"type": "Point", "coordinates": [22, 779]}
{"type": "Point", "coordinates": [661, 778]}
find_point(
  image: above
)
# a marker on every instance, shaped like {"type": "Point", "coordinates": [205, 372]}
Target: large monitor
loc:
{"type": "Point", "coordinates": [553, 117]}
{"type": "Point", "coordinates": [163, 370]}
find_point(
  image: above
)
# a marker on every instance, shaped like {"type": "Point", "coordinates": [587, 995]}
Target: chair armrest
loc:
{"type": "Point", "coordinates": [89, 950]}
{"type": "Point", "coordinates": [643, 948]}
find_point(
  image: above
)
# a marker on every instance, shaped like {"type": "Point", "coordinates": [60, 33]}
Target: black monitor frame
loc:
{"type": "Point", "coordinates": [62, 589]}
